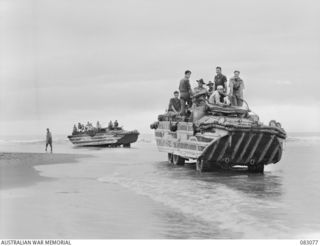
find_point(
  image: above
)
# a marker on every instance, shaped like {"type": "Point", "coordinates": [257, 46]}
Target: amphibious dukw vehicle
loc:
{"type": "Point", "coordinates": [219, 137]}
{"type": "Point", "coordinates": [104, 137]}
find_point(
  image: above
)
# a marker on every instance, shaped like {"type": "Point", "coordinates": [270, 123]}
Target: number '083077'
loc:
{"type": "Point", "coordinates": [308, 242]}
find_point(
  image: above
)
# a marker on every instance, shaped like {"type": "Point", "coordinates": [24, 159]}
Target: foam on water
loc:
{"type": "Point", "coordinates": [30, 140]}
{"type": "Point", "coordinates": [304, 138]}
{"type": "Point", "coordinates": [21, 141]}
{"type": "Point", "coordinates": [211, 202]}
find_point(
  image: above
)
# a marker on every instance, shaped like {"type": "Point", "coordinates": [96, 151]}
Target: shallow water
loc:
{"type": "Point", "coordinates": [177, 202]}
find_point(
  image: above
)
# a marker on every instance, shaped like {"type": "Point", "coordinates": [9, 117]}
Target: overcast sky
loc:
{"type": "Point", "coordinates": [64, 61]}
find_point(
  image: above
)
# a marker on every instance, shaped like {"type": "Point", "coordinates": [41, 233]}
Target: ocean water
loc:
{"type": "Point", "coordinates": [282, 203]}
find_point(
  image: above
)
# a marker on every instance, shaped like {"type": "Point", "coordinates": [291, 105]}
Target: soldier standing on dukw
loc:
{"type": "Point", "coordinates": [185, 92]}
{"type": "Point", "coordinates": [49, 139]}
{"type": "Point", "coordinates": [220, 79]}
{"type": "Point", "coordinates": [236, 85]}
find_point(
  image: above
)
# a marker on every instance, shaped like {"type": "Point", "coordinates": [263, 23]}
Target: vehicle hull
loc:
{"type": "Point", "coordinates": [222, 146]}
{"type": "Point", "coordinates": [104, 139]}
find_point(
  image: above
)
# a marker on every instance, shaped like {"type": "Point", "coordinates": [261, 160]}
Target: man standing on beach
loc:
{"type": "Point", "coordinates": [49, 139]}
{"type": "Point", "coordinates": [220, 79]}
{"type": "Point", "coordinates": [185, 92]}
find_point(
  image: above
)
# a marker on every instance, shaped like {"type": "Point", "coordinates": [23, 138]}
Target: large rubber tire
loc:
{"type": "Point", "coordinates": [259, 168]}
{"type": "Point", "coordinates": [178, 160]}
{"type": "Point", "coordinates": [126, 145]}
{"type": "Point", "coordinates": [170, 158]}
{"type": "Point", "coordinates": [202, 166]}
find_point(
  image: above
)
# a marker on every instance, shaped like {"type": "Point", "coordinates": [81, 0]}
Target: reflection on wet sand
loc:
{"type": "Point", "coordinates": [258, 185]}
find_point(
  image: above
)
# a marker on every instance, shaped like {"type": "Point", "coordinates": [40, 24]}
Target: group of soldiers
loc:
{"type": "Point", "coordinates": [112, 126]}
{"type": "Point", "coordinates": [217, 92]}
{"type": "Point", "coordinates": [84, 128]}
{"type": "Point", "coordinates": [89, 126]}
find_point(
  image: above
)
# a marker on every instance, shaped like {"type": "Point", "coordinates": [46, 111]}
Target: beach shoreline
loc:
{"type": "Point", "coordinates": [17, 168]}
{"type": "Point", "coordinates": [74, 204]}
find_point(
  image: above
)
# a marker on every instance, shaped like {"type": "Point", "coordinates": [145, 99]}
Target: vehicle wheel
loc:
{"type": "Point", "coordinates": [126, 145]}
{"type": "Point", "coordinates": [256, 168]}
{"type": "Point", "coordinates": [260, 168]}
{"type": "Point", "coordinates": [170, 158]}
{"type": "Point", "coordinates": [178, 160]}
{"type": "Point", "coordinates": [202, 166]}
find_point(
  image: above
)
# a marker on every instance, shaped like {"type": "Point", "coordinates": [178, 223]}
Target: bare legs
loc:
{"type": "Point", "coordinates": [49, 143]}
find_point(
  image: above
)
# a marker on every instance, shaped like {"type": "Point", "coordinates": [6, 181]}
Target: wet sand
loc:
{"type": "Point", "coordinates": [17, 169]}
{"type": "Point", "coordinates": [58, 196]}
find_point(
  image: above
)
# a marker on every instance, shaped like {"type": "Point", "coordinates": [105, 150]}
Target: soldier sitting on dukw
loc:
{"type": "Point", "coordinates": [219, 97]}
{"type": "Point", "coordinates": [199, 100]}
{"type": "Point", "coordinates": [98, 125]}
{"type": "Point", "coordinates": [89, 126]}
{"type": "Point", "coordinates": [110, 125]}
{"type": "Point", "coordinates": [211, 88]}
{"type": "Point", "coordinates": [199, 93]}
{"type": "Point", "coordinates": [75, 130]}
{"type": "Point", "coordinates": [175, 104]}
{"type": "Point", "coordinates": [80, 127]}
{"type": "Point", "coordinates": [116, 124]}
